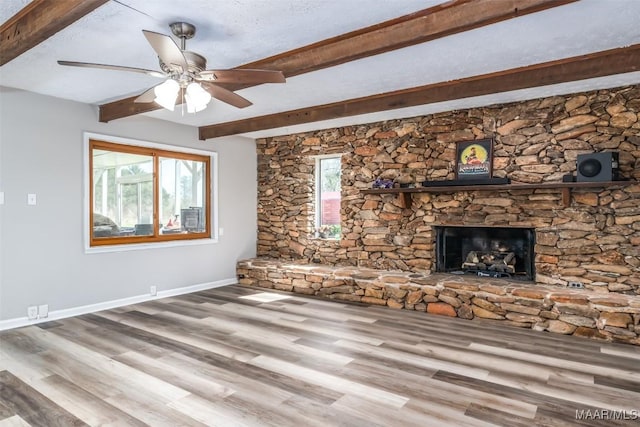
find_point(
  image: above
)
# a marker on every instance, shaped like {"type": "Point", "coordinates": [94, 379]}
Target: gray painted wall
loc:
{"type": "Point", "coordinates": [42, 258]}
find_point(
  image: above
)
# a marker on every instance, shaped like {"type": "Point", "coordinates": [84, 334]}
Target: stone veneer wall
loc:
{"type": "Point", "coordinates": [596, 240]}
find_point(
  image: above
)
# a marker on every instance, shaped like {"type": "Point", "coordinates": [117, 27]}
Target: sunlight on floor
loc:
{"type": "Point", "coordinates": [265, 297]}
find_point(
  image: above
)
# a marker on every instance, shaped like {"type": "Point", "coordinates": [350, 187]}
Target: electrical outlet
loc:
{"type": "Point", "coordinates": [43, 311]}
{"type": "Point", "coordinates": [32, 312]}
{"type": "Point", "coordinates": [575, 285]}
{"type": "Point", "coordinates": [153, 290]}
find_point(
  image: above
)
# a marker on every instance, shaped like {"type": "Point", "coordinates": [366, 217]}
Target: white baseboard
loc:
{"type": "Point", "coordinates": [92, 308]}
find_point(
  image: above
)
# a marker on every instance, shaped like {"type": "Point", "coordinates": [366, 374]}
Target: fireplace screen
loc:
{"type": "Point", "coordinates": [486, 251]}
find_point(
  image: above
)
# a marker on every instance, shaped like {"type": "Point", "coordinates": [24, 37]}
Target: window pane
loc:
{"type": "Point", "coordinates": [182, 196]}
{"type": "Point", "coordinates": [144, 191]}
{"type": "Point", "coordinates": [329, 198]}
{"type": "Point", "coordinates": [122, 194]}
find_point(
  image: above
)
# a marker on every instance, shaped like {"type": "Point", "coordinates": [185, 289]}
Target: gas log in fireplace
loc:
{"type": "Point", "coordinates": [486, 251]}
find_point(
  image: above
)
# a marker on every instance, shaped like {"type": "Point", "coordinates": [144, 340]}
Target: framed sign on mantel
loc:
{"type": "Point", "coordinates": [474, 159]}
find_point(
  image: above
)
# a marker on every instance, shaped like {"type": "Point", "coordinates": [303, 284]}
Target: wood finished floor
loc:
{"type": "Point", "coordinates": [232, 356]}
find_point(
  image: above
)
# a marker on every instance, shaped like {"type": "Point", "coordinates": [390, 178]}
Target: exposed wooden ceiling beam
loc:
{"type": "Point", "coordinates": [599, 64]}
{"type": "Point", "coordinates": [429, 24]}
{"type": "Point", "coordinates": [38, 21]}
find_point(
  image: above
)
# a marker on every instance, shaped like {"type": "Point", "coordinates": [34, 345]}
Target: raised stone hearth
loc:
{"type": "Point", "coordinates": [612, 317]}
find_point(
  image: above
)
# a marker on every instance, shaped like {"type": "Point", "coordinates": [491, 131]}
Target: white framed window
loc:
{"type": "Point", "coordinates": [140, 193]}
{"type": "Point", "coordinates": [328, 173]}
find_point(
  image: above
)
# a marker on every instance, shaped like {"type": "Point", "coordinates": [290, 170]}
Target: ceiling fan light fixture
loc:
{"type": "Point", "coordinates": [167, 94]}
{"type": "Point", "coordinates": [186, 75]}
{"type": "Point", "coordinates": [197, 98]}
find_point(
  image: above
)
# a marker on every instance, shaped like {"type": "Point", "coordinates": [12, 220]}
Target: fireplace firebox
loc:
{"type": "Point", "coordinates": [486, 251]}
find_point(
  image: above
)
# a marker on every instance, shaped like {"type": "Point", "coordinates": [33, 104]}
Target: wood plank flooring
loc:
{"type": "Point", "coordinates": [236, 356]}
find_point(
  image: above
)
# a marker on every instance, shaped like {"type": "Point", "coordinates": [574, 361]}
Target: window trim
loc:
{"type": "Point", "coordinates": [91, 140]}
{"type": "Point", "coordinates": [318, 188]}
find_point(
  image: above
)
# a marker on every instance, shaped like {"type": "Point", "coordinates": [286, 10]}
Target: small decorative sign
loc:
{"type": "Point", "coordinates": [474, 159]}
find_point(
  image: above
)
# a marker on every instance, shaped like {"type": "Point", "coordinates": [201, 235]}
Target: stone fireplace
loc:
{"type": "Point", "coordinates": [400, 251]}
{"type": "Point", "coordinates": [586, 236]}
{"type": "Point", "coordinates": [501, 252]}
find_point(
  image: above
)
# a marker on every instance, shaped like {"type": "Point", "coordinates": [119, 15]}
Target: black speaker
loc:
{"type": "Point", "coordinates": [597, 167]}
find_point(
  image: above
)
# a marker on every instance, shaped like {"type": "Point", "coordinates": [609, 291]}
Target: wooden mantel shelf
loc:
{"type": "Point", "coordinates": [404, 194]}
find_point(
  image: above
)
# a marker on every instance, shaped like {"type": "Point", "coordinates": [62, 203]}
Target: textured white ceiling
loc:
{"type": "Point", "coordinates": [235, 32]}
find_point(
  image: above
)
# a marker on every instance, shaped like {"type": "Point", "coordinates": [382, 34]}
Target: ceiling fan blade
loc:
{"type": "Point", "coordinates": [147, 96]}
{"type": "Point", "coordinates": [242, 76]}
{"type": "Point", "coordinates": [225, 95]}
{"type": "Point", "coordinates": [113, 67]}
{"type": "Point", "coordinates": [167, 50]}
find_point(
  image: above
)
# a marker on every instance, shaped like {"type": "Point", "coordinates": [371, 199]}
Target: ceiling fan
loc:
{"type": "Point", "coordinates": [187, 78]}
